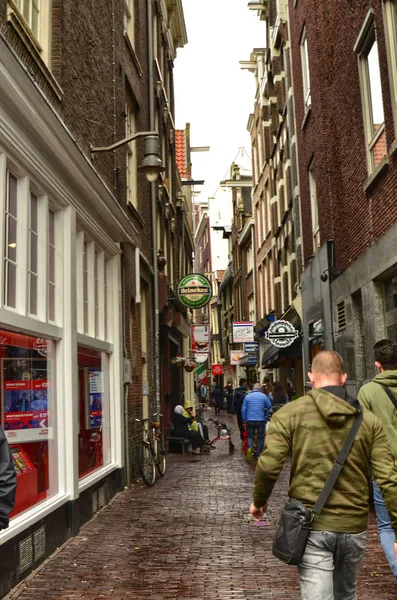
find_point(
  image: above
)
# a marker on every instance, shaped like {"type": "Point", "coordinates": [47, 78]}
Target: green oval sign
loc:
{"type": "Point", "coordinates": [194, 291]}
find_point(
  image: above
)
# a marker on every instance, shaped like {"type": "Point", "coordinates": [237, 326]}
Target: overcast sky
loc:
{"type": "Point", "coordinates": [212, 93]}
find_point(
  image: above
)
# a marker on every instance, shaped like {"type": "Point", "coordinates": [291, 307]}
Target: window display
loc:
{"type": "Point", "coordinates": [93, 410]}
{"type": "Point", "coordinates": [28, 417]}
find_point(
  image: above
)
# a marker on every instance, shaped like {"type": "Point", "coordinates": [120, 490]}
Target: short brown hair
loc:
{"type": "Point", "coordinates": [328, 362]}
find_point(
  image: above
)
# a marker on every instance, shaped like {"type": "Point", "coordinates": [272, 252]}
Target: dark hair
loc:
{"type": "Point", "coordinates": [386, 354]}
{"type": "Point", "coordinates": [278, 393]}
{"type": "Point", "coordinates": [242, 381]}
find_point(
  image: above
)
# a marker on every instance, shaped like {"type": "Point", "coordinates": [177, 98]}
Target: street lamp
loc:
{"type": "Point", "coordinates": [151, 165]}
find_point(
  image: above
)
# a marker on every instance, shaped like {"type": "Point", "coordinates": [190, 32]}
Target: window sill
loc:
{"type": "Point", "coordinates": [30, 44]}
{"type": "Point", "coordinates": [306, 117]}
{"type": "Point", "coordinates": [376, 173]}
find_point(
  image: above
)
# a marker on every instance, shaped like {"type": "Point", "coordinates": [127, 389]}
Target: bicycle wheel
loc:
{"type": "Point", "coordinates": [161, 462]}
{"type": "Point", "coordinates": [147, 465]}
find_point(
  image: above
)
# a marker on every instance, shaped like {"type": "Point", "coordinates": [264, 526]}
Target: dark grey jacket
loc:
{"type": "Point", "coordinates": [8, 481]}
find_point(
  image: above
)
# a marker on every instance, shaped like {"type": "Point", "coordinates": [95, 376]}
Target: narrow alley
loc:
{"type": "Point", "coordinates": [188, 538]}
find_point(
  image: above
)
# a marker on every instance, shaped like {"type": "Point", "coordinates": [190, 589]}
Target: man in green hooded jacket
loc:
{"type": "Point", "coordinates": [311, 431]}
{"type": "Point", "coordinates": [373, 397]}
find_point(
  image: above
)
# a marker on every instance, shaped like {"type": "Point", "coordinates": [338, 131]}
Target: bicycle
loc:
{"type": "Point", "coordinates": [151, 452]}
{"type": "Point", "coordinates": [224, 433]}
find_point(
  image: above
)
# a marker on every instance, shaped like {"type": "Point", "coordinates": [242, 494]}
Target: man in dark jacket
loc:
{"type": "Point", "coordinates": [375, 399]}
{"type": "Point", "coordinates": [8, 481]}
{"type": "Point", "coordinates": [311, 431]}
{"type": "Point", "coordinates": [228, 392]}
{"type": "Point", "coordinates": [238, 400]}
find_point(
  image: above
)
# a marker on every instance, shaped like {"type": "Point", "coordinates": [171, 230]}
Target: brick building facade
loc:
{"type": "Point", "coordinates": [344, 73]}
{"type": "Point", "coordinates": [81, 232]}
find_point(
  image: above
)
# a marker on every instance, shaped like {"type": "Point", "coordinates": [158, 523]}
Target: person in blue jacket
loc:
{"type": "Point", "coordinates": [255, 410]}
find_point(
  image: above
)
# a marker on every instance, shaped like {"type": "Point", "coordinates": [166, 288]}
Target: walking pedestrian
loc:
{"type": "Point", "coordinates": [312, 431]}
{"type": "Point", "coordinates": [8, 481]}
{"type": "Point", "coordinates": [255, 413]}
{"type": "Point", "coordinates": [375, 396]}
{"type": "Point", "coordinates": [228, 391]}
{"type": "Point", "coordinates": [238, 400]}
{"type": "Point", "coordinates": [217, 399]}
{"type": "Point", "coordinates": [278, 397]}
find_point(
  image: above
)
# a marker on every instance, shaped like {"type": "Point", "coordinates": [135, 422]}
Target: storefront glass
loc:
{"type": "Point", "coordinates": [28, 414]}
{"type": "Point", "coordinates": [94, 422]}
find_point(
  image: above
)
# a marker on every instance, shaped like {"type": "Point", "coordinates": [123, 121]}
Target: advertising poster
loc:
{"type": "Point", "coordinates": [243, 331]}
{"type": "Point", "coordinates": [237, 356]}
{"type": "Point", "coordinates": [26, 399]}
{"type": "Point", "coordinates": [95, 382]}
{"type": "Point", "coordinates": [200, 339]}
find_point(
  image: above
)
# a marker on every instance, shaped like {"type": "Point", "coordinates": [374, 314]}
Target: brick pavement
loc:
{"type": "Point", "coordinates": [187, 538]}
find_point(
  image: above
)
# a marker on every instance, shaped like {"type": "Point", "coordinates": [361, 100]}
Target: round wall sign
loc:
{"type": "Point", "coordinates": [281, 334]}
{"type": "Point", "coordinates": [194, 291]}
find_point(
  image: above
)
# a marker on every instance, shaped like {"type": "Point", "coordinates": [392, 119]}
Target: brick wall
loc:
{"type": "Point", "coordinates": [334, 134]}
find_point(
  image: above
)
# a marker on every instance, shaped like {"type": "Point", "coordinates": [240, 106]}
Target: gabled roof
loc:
{"type": "Point", "coordinates": [180, 153]}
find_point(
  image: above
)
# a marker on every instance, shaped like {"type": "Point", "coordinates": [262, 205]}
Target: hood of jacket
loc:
{"type": "Point", "coordinates": [334, 410]}
{"type": "Point", "coordinates": [388, 378]}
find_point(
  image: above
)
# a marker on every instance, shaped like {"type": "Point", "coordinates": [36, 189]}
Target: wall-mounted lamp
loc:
{"type": "Point", "coordinates": [333, 273]}
{"type": "Point", "coordinates": [151, 165]}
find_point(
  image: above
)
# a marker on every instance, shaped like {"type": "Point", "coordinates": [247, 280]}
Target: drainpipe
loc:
{"type": "Point", "coordinates": [156, 345]}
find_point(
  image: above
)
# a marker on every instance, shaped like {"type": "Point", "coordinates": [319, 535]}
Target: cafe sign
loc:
{"type": "Point", "coordinates": [281, 334]}
{"type": "Point", "coordinates": [194, 291]}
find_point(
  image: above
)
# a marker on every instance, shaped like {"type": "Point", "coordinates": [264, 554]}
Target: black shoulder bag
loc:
{"type": "Point", "coordinates": [389, 393]}
{"type": "Point", "coordinates": [296, 519]}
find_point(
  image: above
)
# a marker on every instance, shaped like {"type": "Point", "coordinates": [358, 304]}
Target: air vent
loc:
{"type": "Point", "coordinates": [25, 554]}
{"type": "Point", "coordinates": [341, 315]}
{"type": "Point", "coordinates": [39, 543]}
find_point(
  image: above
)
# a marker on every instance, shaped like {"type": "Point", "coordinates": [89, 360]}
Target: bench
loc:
{"type": "Point", "coordinates": [179, 441]}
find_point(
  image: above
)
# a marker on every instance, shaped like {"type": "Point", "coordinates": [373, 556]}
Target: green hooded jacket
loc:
{"type": "Point", "coordinates": [311, 431]}
{"type": "Point", "coordinates": [377, 401]}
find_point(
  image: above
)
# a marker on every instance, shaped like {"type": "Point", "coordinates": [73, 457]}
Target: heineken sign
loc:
{"type": "Point", "coordinates": [281, 334]}
{"type": "Point", "coordinates": [194, 291]}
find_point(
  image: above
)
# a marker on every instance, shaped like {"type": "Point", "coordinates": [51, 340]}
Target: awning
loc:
{"type": "Point", "coordinates": [272, 354]}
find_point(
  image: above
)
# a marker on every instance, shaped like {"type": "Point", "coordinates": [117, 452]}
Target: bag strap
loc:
{"type": "Point", "coordinates": [388, 392]}
{"type": "Point", "coordinates": [338, 464]}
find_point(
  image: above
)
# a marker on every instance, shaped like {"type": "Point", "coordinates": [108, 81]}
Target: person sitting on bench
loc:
{"type": "Point", "coordinates": [181, 425]}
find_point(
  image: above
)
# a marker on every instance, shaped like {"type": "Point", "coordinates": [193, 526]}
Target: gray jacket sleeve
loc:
{"type": "Point", "coordinates": [8, 481]}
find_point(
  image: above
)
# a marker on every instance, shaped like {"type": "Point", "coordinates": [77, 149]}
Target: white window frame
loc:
{"type": "Point", "coordinates": [314, 207]}
{"type": "Point", "coordinates": [250, 258]}
{"type": "Point", "coordinates": [362, 47]}
{"type": "Point", "coordinates": [132, 167]}
{"type": "Point", "coordinates": [390, 21]}
{"type": "Point", "coordinates": [307, 99]}
{"type": "Point", "coordinates": [41, 35]}
{"type": "Point", "coordinates": [129, 20]}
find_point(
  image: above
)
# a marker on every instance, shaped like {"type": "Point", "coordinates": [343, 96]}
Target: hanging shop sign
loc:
{"type": "Point", "coordinates": [252, 359]}
{"type": "Point", "coordinates": [217, 369]}
{"type": "Point", "coordinates": [251, 347]}
{"type": "Point", "coordinates": [200, 335]}
{"type": "Point", "coordinates": [281, 334]}
{"type": "Point", "coordinates": [194, 291]}
{"type": "Point", "coordinates": [243, 331]}
{"type": "Point", "coordinates": [236, 356]}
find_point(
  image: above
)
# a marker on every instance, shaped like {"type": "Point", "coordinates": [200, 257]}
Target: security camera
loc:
{"type": "Point", "coordinates": [324, 277]}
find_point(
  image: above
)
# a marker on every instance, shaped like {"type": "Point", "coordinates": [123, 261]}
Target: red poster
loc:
{"type": "Point", "coordinates": [25, 400]}
{"type": "Point", "coordinates": [217, 369]}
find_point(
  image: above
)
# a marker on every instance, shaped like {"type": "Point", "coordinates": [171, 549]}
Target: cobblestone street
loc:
{"type": "Point", "coordinates": [189, 538]}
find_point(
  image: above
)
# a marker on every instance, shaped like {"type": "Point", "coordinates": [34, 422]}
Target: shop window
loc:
{"type": "Point", "coordinates": [28, 415]}
{"type": "Point", "coordinates": [94, 421]}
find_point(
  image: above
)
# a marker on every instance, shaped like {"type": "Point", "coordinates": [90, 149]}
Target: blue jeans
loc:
{"type": "Point", "coordinates": [386, 533]}
{"type": "Point", "coordinates": [259, 427]}
{"type": "Point", "coordinates": [330, 565]}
